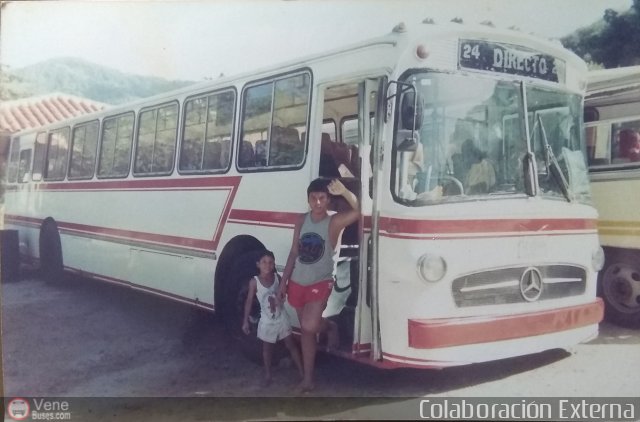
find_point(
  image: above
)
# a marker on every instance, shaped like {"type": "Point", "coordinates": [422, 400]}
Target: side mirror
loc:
{"type": "Point", "coordinates": [530, 176]}
{"type": "Point", "coordinates": [411, 111]}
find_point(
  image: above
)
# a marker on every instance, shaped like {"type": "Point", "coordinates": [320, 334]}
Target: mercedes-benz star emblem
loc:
{"type": "Point", "coordinates": [531, 284]}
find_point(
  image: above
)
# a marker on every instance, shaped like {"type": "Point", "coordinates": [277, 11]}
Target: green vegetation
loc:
{"type": "Point", "coordinates": [78, 77]}
{"type": "Point", "coordinates": [614, 41]}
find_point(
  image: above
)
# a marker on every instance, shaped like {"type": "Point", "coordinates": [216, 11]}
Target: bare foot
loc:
{"type": "Point", "coordinates": [304, 387]}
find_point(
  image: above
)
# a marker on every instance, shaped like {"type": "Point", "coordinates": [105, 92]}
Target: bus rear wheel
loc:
{"type": "Point", "coordinates": [620, 289]}
{"type": "Point", "coordinates": [51, 264]}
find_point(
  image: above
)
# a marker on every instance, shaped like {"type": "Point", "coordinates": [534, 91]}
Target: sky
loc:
{"type": "Point", "coordinates": [193, 40]}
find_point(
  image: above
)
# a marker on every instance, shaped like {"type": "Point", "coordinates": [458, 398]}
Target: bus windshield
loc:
{"type": "Point", "coordinates": [469, 140]}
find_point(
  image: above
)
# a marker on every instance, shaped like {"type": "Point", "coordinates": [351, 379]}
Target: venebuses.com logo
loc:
{"type": "Point", "coordinates": [18, 409]}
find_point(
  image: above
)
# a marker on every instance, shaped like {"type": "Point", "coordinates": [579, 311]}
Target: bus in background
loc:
{"type": "Point", "coordinates": [477, 240]}
{"type": "Point", "coordinates": [612, 122]}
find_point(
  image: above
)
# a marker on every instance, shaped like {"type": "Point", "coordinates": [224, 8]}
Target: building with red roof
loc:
{"type": "Point", "coordinates": [33, 112]}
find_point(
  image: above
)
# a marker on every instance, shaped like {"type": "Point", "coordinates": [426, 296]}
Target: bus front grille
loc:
{"type": "Point", "coordinates": [519, 285]}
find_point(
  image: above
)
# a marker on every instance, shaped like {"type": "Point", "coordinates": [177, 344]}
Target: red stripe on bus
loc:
{"type": "Point", "coordinates": [268, 217]}
{"type": "Point", "coordinates": [141, 236]}
{"type": "Point", "coordinates": [440, 236]}
{"type": "Point", "coordinates": [143, 184]}
{"type": "Point", "coordinates": [120, 233]}
{"type": "Point", "coordinates": [405, 226]}
{"type": "Point", "coordinates": [448, 332]}
{"type": "Point", "coordinates": [20, 219]}
{"type": "Point", "coordinates": [231, 183]}
{"type": "Point", "coordinates": [225, 213]}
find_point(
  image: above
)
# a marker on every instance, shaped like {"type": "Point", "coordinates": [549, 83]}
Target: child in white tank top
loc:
{"type": "Point", "coordinates": [274, 323]}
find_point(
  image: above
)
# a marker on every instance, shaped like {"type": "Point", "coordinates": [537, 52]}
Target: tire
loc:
{"type": "Point", "coordinates": [233, 265]}
{"type": "Point", "coordinates": [619, 287]}
{"type": "Point", "coordinates": [51, 263]}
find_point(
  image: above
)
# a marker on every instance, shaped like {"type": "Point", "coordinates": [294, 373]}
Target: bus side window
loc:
{"type": "Point", "coordinates": [39, 156]}
{"type": "Point", "coordinates": [273, 117]}
{"type": "Point", "coordinates": [156, 140]}
{"type": "Point", "coordinates": [84, 141]}
{"type": "Point", "coordinates": [261, 153]}
{"type": "Point", "coordinates": [628, 141]}
{"type": "Point", "coordinates": [246, 155]}
{"type": "Point", "coordinates": [115, 147]}
{"type": "Point", "coordinates": [286, 148]}
{"type": "Point", "coordinates": [56, 160]}
{"type": "Point", "coordinates": [212, 152]}
{"type": "Point", "coordinates": [598, 145]}
{"type": "Point", "coordinates": [12, 169]}
{"type": "Point", "coordinates": [24, 166]}
{"type": "Point", "coordinates": [208, 123]}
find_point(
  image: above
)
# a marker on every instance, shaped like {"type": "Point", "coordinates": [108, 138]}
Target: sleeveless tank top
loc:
{"type": "Point", "coordinates": [315, 260]}
{"type": "Point", "coordinates": [270, 308]}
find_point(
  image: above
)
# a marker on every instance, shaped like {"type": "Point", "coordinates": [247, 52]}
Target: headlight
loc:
{"type": "Point", "coordinates": [431, 267]}
{"type": "Point", "coordinates": [597, 259]}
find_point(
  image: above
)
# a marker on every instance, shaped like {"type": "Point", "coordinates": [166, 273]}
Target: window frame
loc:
{"type": "Point", "coordinates": [13, 161]}
{"type": "Point", "coordinates": [183, 126]}
{"type": "Point", "coordinates": [134, 150]}
{"type": "Point", "coordinates": [608, 125]}
{"type": "Point", "coordinates": [240, 121]}
{"type": "Point", "coordinates": [354, 117]}
{"type": "Point", "coordinates": [95, 155]}
{"type": "Point", "coordinates": [101, 144]}
{"type": "Point", "coordinates": [28, 167]}
{"type": "Point", "coordinates": [43, 161]}
{"type": "Point", "coordinates": [45, 175]}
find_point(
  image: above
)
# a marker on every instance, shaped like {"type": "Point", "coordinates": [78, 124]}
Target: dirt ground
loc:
{"type": "Point", "coordinates": [82, 338]}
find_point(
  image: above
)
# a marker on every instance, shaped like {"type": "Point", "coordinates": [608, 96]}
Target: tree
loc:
{"type": "Point", "coordinates": [614, 41]}
{"type": "Point", "coordinates": [12, 86]}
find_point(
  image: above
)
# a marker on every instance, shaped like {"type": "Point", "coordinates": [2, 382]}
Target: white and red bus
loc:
{"type": "Point", "coordinates": [464, 144]}
{"type": "Point", "coordinates": [612, 116]}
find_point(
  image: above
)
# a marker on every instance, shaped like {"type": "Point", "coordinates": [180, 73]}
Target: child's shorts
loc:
{"type": "Point", "coordinates": [300, 295]}
{"type": "Point", "coordinates": [272, 331]}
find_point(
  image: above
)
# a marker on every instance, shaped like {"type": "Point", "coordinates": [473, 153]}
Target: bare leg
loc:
{"type": "Point", "coordinates": [267, 353]}
{"type": "Point", "coordinates": [295, 353]}
{"type": "Point", "coordinates": [310, 317]}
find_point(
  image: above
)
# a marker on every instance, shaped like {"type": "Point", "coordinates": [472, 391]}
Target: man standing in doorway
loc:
{"type": "Point", "coordinates": [309, 274]}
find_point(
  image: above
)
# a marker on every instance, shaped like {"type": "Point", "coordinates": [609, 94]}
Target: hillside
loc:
{"type": "Point", "coordinates": [84, 79]}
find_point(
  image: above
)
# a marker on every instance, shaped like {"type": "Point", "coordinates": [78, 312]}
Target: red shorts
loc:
{"type": "Point", "coordinates": [300, 295]}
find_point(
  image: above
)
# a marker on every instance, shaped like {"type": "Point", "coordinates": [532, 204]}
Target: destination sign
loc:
{"type": "Point", "coordinates": [511, 59]}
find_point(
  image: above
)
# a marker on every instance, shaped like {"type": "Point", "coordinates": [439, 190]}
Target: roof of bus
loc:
{"type": "Point", "coordinates": [620, 76]}
{"type": "Point", "coordinates": [400, 35]}
{"type": "Point", "coordinates": [621, 81]}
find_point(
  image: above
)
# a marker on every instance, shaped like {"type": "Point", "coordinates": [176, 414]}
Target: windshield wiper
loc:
{"type": "Point", "coordinates": [551, 162]}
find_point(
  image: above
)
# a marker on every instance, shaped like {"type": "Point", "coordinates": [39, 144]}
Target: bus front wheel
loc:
{"type": "Point", "coordinates": [51, 264]}
{"type": "Point", "coordinates": [620, 289]}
